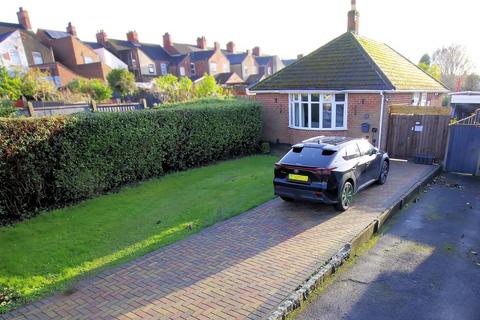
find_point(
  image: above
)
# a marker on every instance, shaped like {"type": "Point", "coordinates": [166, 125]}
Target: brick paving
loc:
{"type": "Point", "coordinates": [241, 268]}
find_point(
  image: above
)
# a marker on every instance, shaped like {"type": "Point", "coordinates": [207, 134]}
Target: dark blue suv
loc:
{"type": "Point", "coordinates": [329, 170]}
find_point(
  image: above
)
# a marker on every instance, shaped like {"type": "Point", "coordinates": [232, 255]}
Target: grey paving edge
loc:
{"type": "Point", "coordinates": [300, 295]}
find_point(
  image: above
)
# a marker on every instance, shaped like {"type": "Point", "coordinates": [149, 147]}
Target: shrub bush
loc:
{"type": "Point", "coordinates": [52, 161]}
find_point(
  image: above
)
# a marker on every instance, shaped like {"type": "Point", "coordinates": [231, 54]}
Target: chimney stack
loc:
{"type": "Point", "coordinates": [71, 29]}
{"type": "Point", "coordinates": [216, 46]}
{"type": "Point", "coordinates": [132, 36]}
{"type": "Point", "coordinates": [256, 51]}
{"type": "Point", "coordinates": [202, 43]}
{"type": "Point", "coordinates": [231, 47]}
{"type": "Point", "coordinates": [299, 56]}
{"type": "Point", "coordinates": [24, 19]}
{"type": "Point", "coordinates": [353, 18]}
{"type": "Point", "coordinates": [102, 37]}
{"type": "Point", "coordinates": [167, 40]}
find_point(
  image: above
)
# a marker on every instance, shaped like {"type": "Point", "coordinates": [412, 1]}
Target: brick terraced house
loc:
{"type": "Point", "coordinates": [344, 88]}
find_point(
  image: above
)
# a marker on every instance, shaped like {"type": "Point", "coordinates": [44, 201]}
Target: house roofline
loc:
{"type": "Point", "coordinates": [346, 91]}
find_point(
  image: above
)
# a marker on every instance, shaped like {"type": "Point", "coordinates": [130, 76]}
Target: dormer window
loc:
{"type": "Point", "coordinates": [37, 57]}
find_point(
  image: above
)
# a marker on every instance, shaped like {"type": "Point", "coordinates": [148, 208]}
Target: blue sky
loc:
{"type": "Point", "coordinates": [287, 28]}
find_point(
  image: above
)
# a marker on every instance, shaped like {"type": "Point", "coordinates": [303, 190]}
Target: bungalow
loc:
{"type": "Point", "coordinates": [344, 88]}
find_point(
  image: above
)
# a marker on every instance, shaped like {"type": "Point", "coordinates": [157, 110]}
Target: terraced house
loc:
{"type": "Point", "coordinates": [345, 88]}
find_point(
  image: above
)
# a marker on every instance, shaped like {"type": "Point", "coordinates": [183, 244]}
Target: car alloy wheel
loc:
{"type": "Point", "coordinates": [384, 172]}
{"type": "Point", "coordinates": [347, 195]}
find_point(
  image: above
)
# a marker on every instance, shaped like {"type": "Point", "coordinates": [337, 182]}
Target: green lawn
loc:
{"type": "Point", "coordinates": [45, 253]}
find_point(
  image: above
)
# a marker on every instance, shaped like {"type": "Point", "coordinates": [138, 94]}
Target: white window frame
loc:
{"type": "Point", "coordinates": [213, 67]}
{"type": "Point", "coordinates": [151, 68]}
{"type": "Point", "coordinates": [15, 58]}
{"type": "Point", "coordinates": [37, 57]}
{"type": "Point", "coordinates": [193, 69]}
{"type": "Point", "coordinates": [163, 69]}
{"type": "Point", "coordinates": [87, 59]}
{"type": "Point", "coordinates": [182, 71]}
{"type": "Point", "coordinates": [296, 98]}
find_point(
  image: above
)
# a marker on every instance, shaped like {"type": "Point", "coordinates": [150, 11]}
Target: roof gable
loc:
{"type": "Point", "coordinates": [5, 35]}
{"type": "Point", "coordinates": [350, 62]}
{"type": "Point", "coordinates": [236, 58]}
{"type": "Point", "coordinates": [201, 55]}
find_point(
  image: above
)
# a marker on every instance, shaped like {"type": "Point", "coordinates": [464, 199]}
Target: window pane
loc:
{"type": "Point", "coordinates": [365, 147]}
{"type": "Point", "coordinates": [297, 115]}
{"type": "Point", "coordinates": [327, 97]}
{"type": "Point", "coordinates": [305, 115]}
{"type": "Point", "coordinates": [315, 115]}
{"type": "Point", "coordinates": [340, 97]}
{"type": "Point", "coordinates": [339, 116]}
{"type": "Point", "coordinates": [304, 97]}
{"type": "Point", "coordinates": [352, 151]}
{"type": "Point", "coordinates": [315, 97]}
{"type": "Point", "coordinates": [327, 115]}
{"type": "Point", "coordinates": [312, 157]}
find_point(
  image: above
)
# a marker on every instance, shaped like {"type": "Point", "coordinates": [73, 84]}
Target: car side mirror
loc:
{"type": "Point", "coordinates": [374, 151]}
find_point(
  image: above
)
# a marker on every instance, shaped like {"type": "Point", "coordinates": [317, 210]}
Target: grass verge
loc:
{"type": "Point", "coordinates": [48, 252]}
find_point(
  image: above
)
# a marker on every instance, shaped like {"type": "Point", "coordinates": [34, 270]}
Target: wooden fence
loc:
{"type": "Point", "coordinates": [52, 110]}
{"type": "Point", "coordinates": [414, 132]}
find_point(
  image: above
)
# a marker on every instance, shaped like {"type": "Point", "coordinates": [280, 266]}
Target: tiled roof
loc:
{"type": "Point", "coordinates": [263, 60]}
{"type": "Point", "coordinates": [5, 35]}
{"type": "Point", "coordinates": [228, 78]}
{"type": "Point", "coordinates": [350, 62]}
{"type": "Point", "coordinates": [155, 51]}
{"type": "Point", "coordinates": [236, 58]}
{"type": "Point", "coordinates": [11, 25]}
{"type": "Point", "coordinates": [121, 45]}
{"type": "Point", "coordinates": [185, 48]}
{"type": "Point", "coordinates": [54, 34]}
{"type": "Point", "coordinates": [254, 79]}
{"type": "Point", "coordinates": [94, 45]}
{"type": "Point", "coordinates": [288, 62]}
{"type": "Point", "coordinates": [201, 55]}
{"type": "Point", "coordinates": [176, 59]}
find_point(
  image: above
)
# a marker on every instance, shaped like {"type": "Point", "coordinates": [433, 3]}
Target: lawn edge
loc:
{"type": "Point", "coordinates": [298, 298]}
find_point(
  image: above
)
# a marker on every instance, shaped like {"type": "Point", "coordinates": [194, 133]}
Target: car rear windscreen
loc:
{"type": "Point", "coordinates": [309, 157]}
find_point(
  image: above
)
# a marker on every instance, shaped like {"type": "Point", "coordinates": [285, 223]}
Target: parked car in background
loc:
{"type": "Point", "coordinates": [329, 170]}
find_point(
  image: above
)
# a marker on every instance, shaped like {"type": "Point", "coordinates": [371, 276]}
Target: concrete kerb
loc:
{"type": "Point", "coordinates": [300, 295]}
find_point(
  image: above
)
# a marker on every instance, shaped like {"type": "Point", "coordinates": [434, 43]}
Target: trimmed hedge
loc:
{"type": "Point", "coordinates": [53, 161]}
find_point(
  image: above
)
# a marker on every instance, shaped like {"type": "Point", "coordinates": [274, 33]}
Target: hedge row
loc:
{"type": "Point", "coordinates": [52, 161]}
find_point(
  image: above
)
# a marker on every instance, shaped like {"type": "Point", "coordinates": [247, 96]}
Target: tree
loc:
{"type": "Point", "coordinates": [122, 81]}
{"type": "Point", "coordinates": [170, 89]}
{"type": "Point", "coordinates": [10, 85]}
{"type": "Point", "coordinates": [425, 59]}
{"type": "Point", "coordinates": [208, 87]}
{"type": "Point", "coordinates": [94, 89]}
{"type": "Point", "coordinates": [433, 70]}
{"type": "Point", "coordinates": [453, 62]}
{"type": "Point", "coordinates": [7, 110]}
{"type": "Point", "coordinates": [36, 85]}
{"type": "Point", "coordinates": [471, 82]}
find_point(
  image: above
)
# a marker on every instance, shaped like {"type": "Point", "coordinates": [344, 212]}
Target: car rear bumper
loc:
{"type": "Point", "coordinates": [317, 196]}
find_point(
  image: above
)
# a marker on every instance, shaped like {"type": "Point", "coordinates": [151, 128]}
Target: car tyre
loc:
{"type": "Point", "coordinates": [286, 199]}
{"type": "Point", "coordinates": [346, 197]}
{"type": "Point", "coordinates": [383, 173]}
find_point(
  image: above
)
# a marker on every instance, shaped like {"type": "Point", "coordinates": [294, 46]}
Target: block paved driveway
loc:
{"type": "Point", "coordinates": [241, 268]}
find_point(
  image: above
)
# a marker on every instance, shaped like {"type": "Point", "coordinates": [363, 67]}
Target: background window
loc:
{"type": "Point", "coordinates": [192, 68]}
{"type": "Point", "coordinates": [87, 59]}
{"type": "Point", "coordinates": [37, 57]}
{"type": "Point", "coordinates": [151, 68]}
{"type": "Point", "coordinates": [182, 71]}
{"type": "Point", "coordinates": [15, 57]}
{"type": "Point", "coordinates": [163, 68]}
{"type": "Point", "coordinates": [213, 67]}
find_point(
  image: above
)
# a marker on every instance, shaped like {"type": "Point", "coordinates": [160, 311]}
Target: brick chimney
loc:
{"type": "Point", "coordinates": [202, 42]}
{"type": "Point", "coordinates": [231, 47]}
{"type": "Point", "coordinates": [353, 18]}
{"type": "Point", "coordinates": [167, 40]}
{"type": "Point", "coordinates": [24, 19]}
{"type": "Point", "coordinates": [132, 36]}
{"type": "Point", "coordinates": [299, 56]}
{"type": "Point", "coordinates": [256, 51]}
{"type": "Point", "coordinates": [216, 46]}
{"type": "Point", "coordinates": [102, 37]}
{"type": "Point", "coordinates": [71, 29]}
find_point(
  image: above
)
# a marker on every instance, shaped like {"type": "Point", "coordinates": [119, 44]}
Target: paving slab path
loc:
{"type": "Point", "coordinates": [241, 268]}
{"type": "Point", "coordinates": [426, 266]}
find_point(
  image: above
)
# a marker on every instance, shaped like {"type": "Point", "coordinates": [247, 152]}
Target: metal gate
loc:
{"type": "Point", "coordinates": [463, 149]}
{"type": "Point", "coordinates": [411, 135]}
